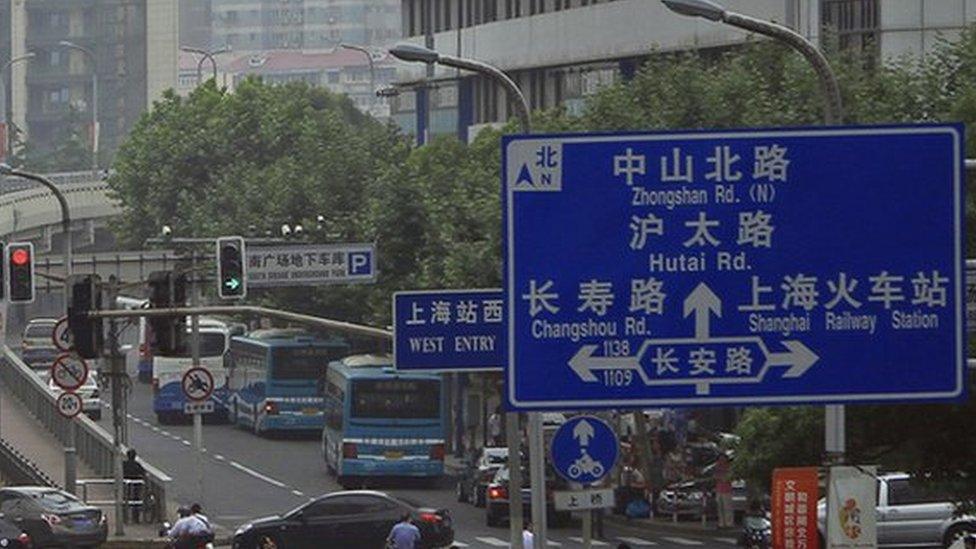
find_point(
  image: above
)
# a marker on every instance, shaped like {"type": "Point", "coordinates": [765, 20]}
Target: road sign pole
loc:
{"type": "Point", "coordinates": [537, 467]}
{"type": "Point", "coordinates": [513, 439]}
{"type": "Point", "coordinates": [117, 371]}
{"type": "Point", "coordinates": [195, 351]}
{"type": "Point", "coordinates": [588, 529]}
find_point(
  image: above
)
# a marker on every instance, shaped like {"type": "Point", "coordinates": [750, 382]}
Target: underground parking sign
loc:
{"type": "Point", "coordinates": [198, 384]}
{"type": "Point", "coordinates": [69, 405]}
{"type": "Point", "coordinates": [584, 449]}
{"type": "Point", "coordinates": [69, 371]}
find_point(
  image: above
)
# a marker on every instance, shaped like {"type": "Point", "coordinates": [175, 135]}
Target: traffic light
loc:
{"type": "Point", "coordinates": [20, 272]}
{"type": "Point", "coordinates": [85, 295]}
{"type": "Point", "coordinates": [168, 290]}
{"type": "Point", "coordinates": [231, 268]}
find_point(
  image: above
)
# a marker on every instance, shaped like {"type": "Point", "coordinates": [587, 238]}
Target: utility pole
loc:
{"type": "Point", "coordinates": [117, 369]}
{"type": "Point", "coordinates": [195, 351]}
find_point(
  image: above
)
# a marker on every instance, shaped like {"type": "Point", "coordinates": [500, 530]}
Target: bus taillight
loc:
{"type": "Point", "coordinates": [271, 408]}
{"type": "Point", "coordinates": [349, 450]}
{"type": "Point", "coordinates": [437, 452]}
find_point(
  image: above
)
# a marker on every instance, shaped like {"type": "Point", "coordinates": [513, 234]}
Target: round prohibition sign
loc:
{"type": "Point", "coordinates": [69, 371]}
{"type": "Point", "coordinates": [198, 384]}
{"type": "Point", "coordinates": [63, 338]}
{"type": "Point", "coordinates": [69, 405]}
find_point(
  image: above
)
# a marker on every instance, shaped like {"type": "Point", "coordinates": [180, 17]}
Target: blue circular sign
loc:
{"type": "Point", "coordinates": [584, 449]}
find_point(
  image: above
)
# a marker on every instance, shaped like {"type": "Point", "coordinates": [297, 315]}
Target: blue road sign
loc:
{"type": "Point", "coordinates": [734, 267]}
{"type": "Point", "coordinates": [584, 449]}
{"type": "Point", "coordinates": [449, 330]}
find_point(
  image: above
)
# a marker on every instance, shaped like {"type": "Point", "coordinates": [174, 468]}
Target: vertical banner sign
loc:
{"type": "Point", "coordinates": [795, 496]}
{"type": "Point", "coordinates": [851, 505]}
{"type": "Point", "coordinates": [766, 266]}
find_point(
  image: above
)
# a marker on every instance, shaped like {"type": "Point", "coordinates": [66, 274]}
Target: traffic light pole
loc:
{"type": "Point", "coordinates": [116, 367]}
{"type": "Point", "coordinates": [195, 353]}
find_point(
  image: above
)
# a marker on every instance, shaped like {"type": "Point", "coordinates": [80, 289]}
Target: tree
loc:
{"type": "Point", "coordinates": [70, 150]}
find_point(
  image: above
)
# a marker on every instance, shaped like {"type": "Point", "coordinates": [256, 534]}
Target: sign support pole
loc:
{"type": "Point", "coordinates": [588, 529]}
{"type": "Point", "coordinates": [116, 367]}
{"type": "Point", "coordinates": [195, 350]}
{"type": "Point", "coordinates": [513, 439]}
{"type": "Point", "coordinates": [537, 466]}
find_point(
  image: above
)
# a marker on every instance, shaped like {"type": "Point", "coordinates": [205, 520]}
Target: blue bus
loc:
{"type": "Point", "coordinates": [379, 422]}
{"type": "Point", "coordinates": [168, 370]}
{"type": "Point", "coordinates": [275, 379]}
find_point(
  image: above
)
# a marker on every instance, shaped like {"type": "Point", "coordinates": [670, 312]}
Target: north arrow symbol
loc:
{"type": "Point", "coordinates": [800, 358]}
{"type": "Point", "coordinates": [584, 363]}
{"type": "Point", "coordinates": [583, 432]}
{"type": "Point", "coordinates": [700, 301]}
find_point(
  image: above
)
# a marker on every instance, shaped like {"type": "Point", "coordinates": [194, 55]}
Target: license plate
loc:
{"type": "Point", "coordinates": [393, 454]}
{"type": "Point", "coordinates": [310, 411]}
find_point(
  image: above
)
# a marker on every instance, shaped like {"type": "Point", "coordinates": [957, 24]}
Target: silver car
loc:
{"type": "Point", "coordinates": [914, 512]}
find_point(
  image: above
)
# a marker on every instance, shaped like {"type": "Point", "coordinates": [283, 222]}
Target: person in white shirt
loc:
{"type": "Point", "coordinates": [528, 538]}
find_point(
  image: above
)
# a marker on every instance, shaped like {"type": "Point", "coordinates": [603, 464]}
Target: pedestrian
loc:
{"type": "Point", "coordinates": [135, 476]}
{"type": "Point", "coordinates": [723, 491]}
{"type": "Point", "coordinates": [495, 428]}
{"type": "Point", "coordinates": [404, 535]}
{"type": "Point", "coordinates": [528, 538]}
{"type": "Point", "coordinates": [192, 528]}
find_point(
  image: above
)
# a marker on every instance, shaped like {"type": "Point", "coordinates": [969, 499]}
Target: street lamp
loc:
{"type": "Point", "coordinates": [833, 109]}
{"type": "Point", "coordinates": [4, 134]}
{"type": "Point", "coordinates": [94, 65]}
{"type": "Point", "coordinates": [415, 53]}
{"type": "Point", "coordinates": [369, 57]}
{"type": "Point", "coordinates": [420, 54]}
{"type": "Point", "coordinates": [206, 54]}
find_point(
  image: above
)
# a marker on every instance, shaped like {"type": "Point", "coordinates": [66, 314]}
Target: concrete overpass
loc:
{"type": "Point", "coordinates": [28, 211]}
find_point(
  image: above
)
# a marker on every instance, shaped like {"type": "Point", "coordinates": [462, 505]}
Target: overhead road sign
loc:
{"type": "Point", "coordinates": [69, 371]}
{"type": "Point", "coordinates": [449, 330]}
{"type": "Point", "coordinates": [584, 450]}
{"type": "Point", "coordinates": [769, 266]}
{"type": "Point", "coordinates": [310, 265]}
{"type": "Point", "coordinates": [69, 405]}
{"type": "Point", "coordinates": [198, 384]}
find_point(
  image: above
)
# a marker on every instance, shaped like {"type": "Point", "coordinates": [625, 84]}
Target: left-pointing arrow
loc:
{"type": "Point", "coordinates": [584, 363]}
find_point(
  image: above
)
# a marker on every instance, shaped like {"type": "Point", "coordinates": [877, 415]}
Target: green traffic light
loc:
{"type": "Point", "coordinates": [233, 283]}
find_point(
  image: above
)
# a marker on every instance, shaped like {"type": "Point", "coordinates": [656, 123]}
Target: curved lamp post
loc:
{"type": "Point", "coordinates": [4, 145]}
{"type": "Point", "coordinates": [206, 54]}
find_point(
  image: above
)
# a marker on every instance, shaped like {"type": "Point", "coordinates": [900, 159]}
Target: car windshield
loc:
{"type": "Point", "coordinates": [55, 500]}
{"type": "Point", "coordinates": [496, 458]}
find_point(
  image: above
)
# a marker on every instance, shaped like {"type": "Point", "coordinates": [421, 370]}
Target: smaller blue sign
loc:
{"type": "Point", "coordinates": [449, 330]}
{"type": "Point", "coordinates": [360, 263]}
{"type": "Point", "coordinates": [584, 449]}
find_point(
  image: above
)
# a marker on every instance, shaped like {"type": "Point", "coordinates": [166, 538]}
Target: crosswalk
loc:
{"type": "Point", "coordinates": [576, 541]}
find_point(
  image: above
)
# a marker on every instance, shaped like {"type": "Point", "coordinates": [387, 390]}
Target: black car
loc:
{"type": "Point", "coordinates": [53, 518]}
{"type": "Point", "coordinates": [12, 537]}
{"type": "Point", "coordinates": [358, 518]}
{"type": "Point", "coordinates": [496, 507]}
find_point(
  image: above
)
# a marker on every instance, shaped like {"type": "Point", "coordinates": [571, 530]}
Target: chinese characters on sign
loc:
{"type": "Point", "coordinates": [851, 507]}
{"type": "Point", "coordinates": [448, 330]}
{"type": "Point", "coordinates": [795, 496]}
{"type": "Point", "coordinates": [310, 264]}
{"type": "Point", "coordinates": [734, 267]}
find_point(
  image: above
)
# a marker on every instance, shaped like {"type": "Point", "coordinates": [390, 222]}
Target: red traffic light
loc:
{"type": "Point", "coordinates": [19, 257]}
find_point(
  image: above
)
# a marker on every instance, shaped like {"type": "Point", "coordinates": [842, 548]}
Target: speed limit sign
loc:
{"type": "Point", "coordinates": [62, 337]}
{"type": "Point", "coordinates": [69, 405]}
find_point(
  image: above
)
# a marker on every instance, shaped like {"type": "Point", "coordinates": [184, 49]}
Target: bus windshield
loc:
{"type": "Point", "coordinates": [211, 345]}
{"type": "Point", "coordinates": [396, 398]}
{"type": "Point", "coordinates": [300, 363]}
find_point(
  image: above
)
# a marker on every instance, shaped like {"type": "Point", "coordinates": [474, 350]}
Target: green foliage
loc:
{"type": "Point", "coordinates": [769, 440]}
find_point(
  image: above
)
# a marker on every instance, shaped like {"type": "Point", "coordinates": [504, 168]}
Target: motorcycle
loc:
{"type": "Point", "coordinates": [173, 544]}
{"type": "Point", "coordinates": [757, 531]}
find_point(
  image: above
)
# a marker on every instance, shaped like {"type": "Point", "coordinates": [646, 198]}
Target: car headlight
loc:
{"type": "Point", "coordinates": [243, 529]}
{"type": "Point", "coordinates": [696, 496]}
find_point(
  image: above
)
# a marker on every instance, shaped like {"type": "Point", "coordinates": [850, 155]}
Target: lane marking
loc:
{"type": "Point", "coordinates": [218, 457]}
{"type": "Point", "coordinates": [495, 542]}
{"type": "Point", "coordinates": [636, 541]}
{"type": "Point", "coordinates": [684, 541]}
{"type": "Point", "coordinates": [257, 475]}
{"type": "Point", "coordinates": [459, 544]}
{"type": "Point", "coordinates": [298, 493]}
{"type": "Point", "coordinates": [186, 442]}
{"type": "Point", "coordinates": [594, 543]}
{"type": "Point", "coordinates": [730, 541]}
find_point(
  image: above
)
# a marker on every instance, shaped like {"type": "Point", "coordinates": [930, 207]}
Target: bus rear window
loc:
{"type": "Point", "coordinates": [396, 398]}
{"type": "Point", "coordinates": [295, 363]}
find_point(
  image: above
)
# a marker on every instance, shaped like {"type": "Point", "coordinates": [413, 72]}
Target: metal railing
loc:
{"type": "Point", "coordinates": [92, 443]}
{"type": "Point", "coordinates": [16, 468]}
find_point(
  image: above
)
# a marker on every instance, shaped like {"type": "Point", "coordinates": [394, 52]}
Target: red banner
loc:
{"type": "Point", "coordinates": [795, 495]}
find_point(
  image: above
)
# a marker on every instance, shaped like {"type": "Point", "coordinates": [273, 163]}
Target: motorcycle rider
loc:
{"type": "Point", "coordinates": [192, 529]}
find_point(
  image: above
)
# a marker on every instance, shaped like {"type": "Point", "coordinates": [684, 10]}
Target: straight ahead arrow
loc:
{"type": "Point", "coordinates": [700, 301]}
{"type": "Point", "coordinates": [584, 363]}
{"type": "Point", "coordinates": [799, 358]}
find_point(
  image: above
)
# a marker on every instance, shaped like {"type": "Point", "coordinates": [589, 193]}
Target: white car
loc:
{"type": "Point", "coordinates": [90, 394]}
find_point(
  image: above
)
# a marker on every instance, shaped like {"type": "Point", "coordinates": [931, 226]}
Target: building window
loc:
{"type": "Point", "coordinates": [853, 22]}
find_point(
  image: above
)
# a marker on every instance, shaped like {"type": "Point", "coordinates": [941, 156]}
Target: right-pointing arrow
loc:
{"type": "Point", "coordinates": [584, 363]}
{"type": "Point", "coordinates": [799, 358]}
